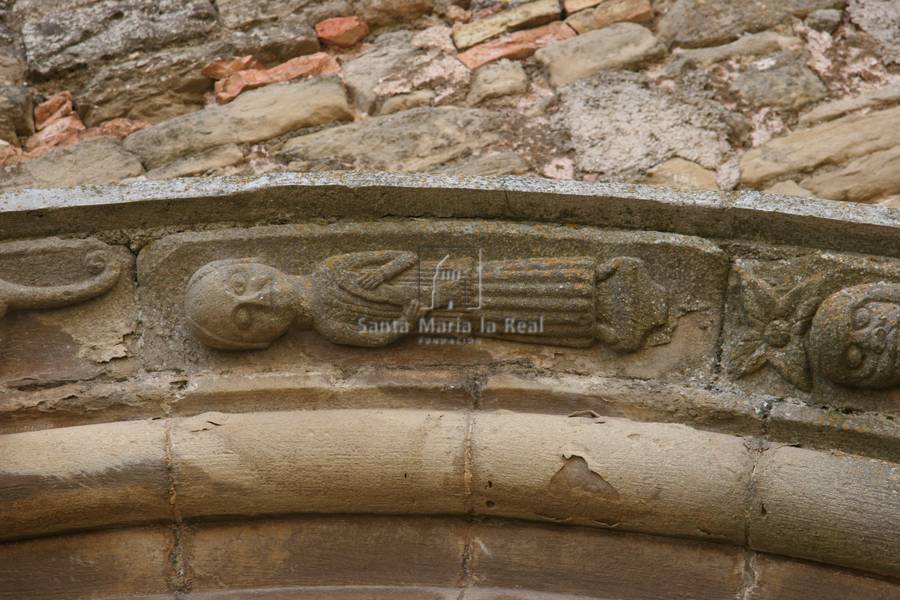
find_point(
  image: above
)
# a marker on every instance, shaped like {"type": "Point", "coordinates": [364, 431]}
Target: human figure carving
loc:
{"type": "Point", "coordinates": [105, 273]}
{"type": "Point", "coordinates": [855, 336]}
{"type": "Point", "coordinates": [374, 298]}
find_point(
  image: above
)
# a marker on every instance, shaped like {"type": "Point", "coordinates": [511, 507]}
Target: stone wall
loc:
{"type": "Point", "coordinates": [798, 97]}
{"type": "Point", "coordinates": [683, 402]}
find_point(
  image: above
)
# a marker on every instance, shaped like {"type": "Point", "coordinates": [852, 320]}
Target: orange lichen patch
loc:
{"type": "Point", "coordinates": [342, 31]}
{"type": "Point", "coordinates": [53, 109]}
{"type": "Point", "coordinates": [220, 69]}
{"type": "Point", "coordinates": [520, 44]}
{"type": "Point", "coordinates": [303, 66]}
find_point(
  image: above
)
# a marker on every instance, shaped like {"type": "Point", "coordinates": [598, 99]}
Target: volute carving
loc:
{"type": "Point", "coordinates": [374, 298]}
{"type": "Point", "coordinates": [104, 270]}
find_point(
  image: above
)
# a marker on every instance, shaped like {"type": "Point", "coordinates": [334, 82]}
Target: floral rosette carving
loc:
{"type": "Point", "coordinates": [776, 327]}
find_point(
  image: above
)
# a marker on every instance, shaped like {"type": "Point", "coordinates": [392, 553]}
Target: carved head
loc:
{"type": "Point", "coordinates": [239, 304]}
{"type": "Point", "coordinates": [855, 336]}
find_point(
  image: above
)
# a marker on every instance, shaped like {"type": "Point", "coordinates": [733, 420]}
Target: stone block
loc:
{"type": "Point", "coordinates": [85, 33]}
{"type": "Point", "coordinates": [777, 578]}
{"type": "Point", "coordinates": [865, 179]}
{"type": "Point", "coordinates": [660, 126]}
{"type": "Point", "coordinates": [769, 340]}
{"type": "Point", "coordinates": [595, 471]}
{"type": "Point", "coordinates": [551, 560]}
{"type": "Point", "coordinates": [78, 330]}
{"type": "Point", "coordinates": [523, 16]}
{"type": "Point", "coordinates": [833, 142]}
{"type": "Point", "coordinates": [254, 116]}
{"type": "Point", "coordinates": [132, 563]}
{"type": "Point", "coordinates": [327, 552]}
{"type": "Point", "coordinates": [690, 270]}
{"type": "Point", "coordinates": [312, 462]}
{"type": "Point", "coordinates": [609, 12]}
{"type": "Point", "coordinates": [154, 86]}
{"type": "Point", "coordinates": [419, 139]}
{"type": "Point", "coordinates": [16, 109]}
{"type": "Point", "coordinates": [837, 509]}
{"type": "Point", "coordinates": [498, 79]}
{"type": "Point", "coordinates": [695, 23]}
{"type": "Point", "coordinates": [73, 478]}
{"type": "Point", "coordinates": [618, 46]}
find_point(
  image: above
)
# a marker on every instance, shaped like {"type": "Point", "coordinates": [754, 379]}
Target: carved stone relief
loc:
{"type": "Point", "coordinates": [103, 272]}
{"type": "Point", "coordinates": [63, 313]}
{"type": "Point", "coordinates": [821, 322]}
{"type": "Point", "coordinates": [448, 292]}
{"type": "Point", "coordinates": [374, 298]}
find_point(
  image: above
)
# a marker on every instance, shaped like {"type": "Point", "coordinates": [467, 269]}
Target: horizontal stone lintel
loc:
{"type": "Point", "coordinates": [284, 197]}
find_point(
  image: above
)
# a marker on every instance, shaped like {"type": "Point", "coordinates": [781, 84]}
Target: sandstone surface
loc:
{"type": "Point", "coordinates": [92, 162]}
{"type": "Point", "coordinates": [415, 140]}
{"type": "Point", "coordinates": [617, 46]}
{"type": "Point", "coordinates": [254, 116]}
{"type": "Point", "coordinates": [832, 142]}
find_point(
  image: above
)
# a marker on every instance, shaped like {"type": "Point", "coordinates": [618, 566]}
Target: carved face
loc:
{"type": "Point", "coordinates": [855, 336]}
{"type": "Point", "coordinates": [234, 305]}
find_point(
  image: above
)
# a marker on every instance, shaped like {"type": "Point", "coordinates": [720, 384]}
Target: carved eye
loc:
{"type": "Point", "coordinates": [242, 317]}
{"type": "Point", "coordinates": [853, 357]}
{"type": "Point", "coordinates": [238, 284]}
{"type": "Point", "coordinates": [861, 318]}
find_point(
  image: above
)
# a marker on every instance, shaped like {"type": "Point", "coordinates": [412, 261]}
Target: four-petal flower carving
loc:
{"type": "Point", "coordinates": [775, 329]}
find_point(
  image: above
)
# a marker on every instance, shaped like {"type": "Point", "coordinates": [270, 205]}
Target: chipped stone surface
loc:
{"type": "Point", "coordinates": [693, 23]}
{"type": "Point", "coordinates": [781, 81]}
{"type": "Point", "coordinates": [63, 40]}
{"type": "Point", "coordinates": [103, 160]}
{"type": "Point", "coordinates": [256, 115]}
{"type": "Point", "coordinates": [832, 142]}
{"type": "Point", "coordinates": [153, 87]}
{"type": "Point", "coordinates": [765, 42]}
{"type": "Point", "coordinates": [498, 79]}
{"type": "Point", "coordinates": [414, 140]}
{"type": "Point", "coordinates": [598, 112]}
{"type": "Point", "coordinates": [16, 119]}
{"type": "Point", "coordinates": [390, 53]}
{"type": "Point", "coordinates": [609, 12]}
{"type": "Point", "coordinates": [682, 174]}
{"type": "Point", "coordinates": [276, 41]}
{"type": "Point", "coordinates": [214, 158]}
{"type": "Point", "coordinates": [864, 179]}
{"type": "Point", "coordinates": [406, 101]}
{"type": "Point", "coordinates": [827, 111]}
{"type": "Point", "coordinates": [790, 188]}
{"type": "Point", "coordinates": [614, 47]}
{"type": "Point", "coordinates": [826, 19]}
{"type": "Point", "coordinates": [247, 79]}
{"type": "Point", "coordinates": [520, 44]}
{"type": "Point", "coordinates": [881, 20]}
{"type": "Point", "coordinates": [342, 31]}
{"type": "Point", "coordinates": [529, 14]}
{"type": "Point", "coordinates": [486, 165]}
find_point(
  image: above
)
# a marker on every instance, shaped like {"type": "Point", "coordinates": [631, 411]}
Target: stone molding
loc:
{"type": "Point", "coordinates": [715, 333]}
{"type": "Point", "coordinates": [581, 469]}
